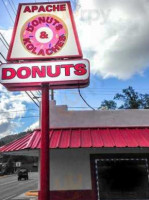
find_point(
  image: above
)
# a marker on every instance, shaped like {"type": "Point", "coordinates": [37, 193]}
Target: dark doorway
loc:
{"type": "Point", "coordinates": [122, 178]}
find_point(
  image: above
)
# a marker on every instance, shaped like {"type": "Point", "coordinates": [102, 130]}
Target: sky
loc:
{"type": "Point", "coordinates": [114, 37]}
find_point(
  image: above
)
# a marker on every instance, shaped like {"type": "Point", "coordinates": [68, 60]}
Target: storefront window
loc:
{"type": "Point", "coordinates": [122, 178]}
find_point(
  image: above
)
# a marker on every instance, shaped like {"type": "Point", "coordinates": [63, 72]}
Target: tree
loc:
{"type": "Point", "coordinates": [145, 101]}
{"type": "Point", "coordinates": [130, 99]}
{"type": "Point", "coordinates": [109, 104]}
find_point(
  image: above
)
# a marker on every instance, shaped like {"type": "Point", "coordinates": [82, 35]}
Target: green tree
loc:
{"type": "Point", "coordinates": [145, 101]}
{"type": "Point", "coordinates": [131, 99]}
{"type": "Point", "coordinates": [109, 104]}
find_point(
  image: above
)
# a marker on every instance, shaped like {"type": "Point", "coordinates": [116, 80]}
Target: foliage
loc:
{"type": "Point", "coordinates": [108, 105]}
{"type": "Point", "coordinates": [129, 98]}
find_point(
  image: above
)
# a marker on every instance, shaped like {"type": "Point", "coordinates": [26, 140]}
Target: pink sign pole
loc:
{"type": "Point", "coordinates": [44, 152]}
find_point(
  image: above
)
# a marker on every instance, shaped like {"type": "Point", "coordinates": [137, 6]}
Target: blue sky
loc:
{"type": "Point", "coordinates": [113, 37]}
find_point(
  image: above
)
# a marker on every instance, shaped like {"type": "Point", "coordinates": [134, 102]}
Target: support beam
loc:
{"type": "Point", "coordinates": [44, 152]}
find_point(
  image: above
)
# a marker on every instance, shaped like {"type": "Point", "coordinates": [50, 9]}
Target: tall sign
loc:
{"type": "Point", "coordinates": [44, 53]}
{"type": "Point", "coordinates": [43, 31]}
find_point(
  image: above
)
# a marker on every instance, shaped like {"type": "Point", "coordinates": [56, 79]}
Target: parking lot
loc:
{"type": "Point", "coordinates": [10, 187]}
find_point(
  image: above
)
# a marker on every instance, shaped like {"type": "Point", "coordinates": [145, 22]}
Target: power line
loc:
{"type": "Point", "coordinates": [18, 117]}
{"type": "Point", "coordinates": [79, 107]}
{"type": "Point", "coordinates": [25, 91]}
{"type": "Point", "coordinates": [17, 111]}
{"type": "Point", "coordinates": [4, 39]}
{"type": "Point", "coordinates": [8, 11]}
{"type": "Point", "coordinates": [3, 56]}
{"type": "Point", "coordinates": [32, 98]}
{"type": "Point", "coordinates": [12, 7]}
{"type": "Point", "coordinates": [6, 61]}
{"type": "Point", "coordinates": [13, 97]}
{"type": "Point", "coordinates": [4, 43]}
{"type": "Point", "coordinates": [84, 99]}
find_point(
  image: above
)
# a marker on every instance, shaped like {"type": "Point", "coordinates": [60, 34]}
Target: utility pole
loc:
{"type": "Point", "coordinates": [52, 94]}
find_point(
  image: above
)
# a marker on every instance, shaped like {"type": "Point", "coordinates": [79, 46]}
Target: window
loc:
{"type": "Point", "coordinates": [122, 178]}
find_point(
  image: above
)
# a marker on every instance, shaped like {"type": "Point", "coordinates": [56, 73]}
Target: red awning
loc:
{"type": "Point", "coordinates": [84, 138]}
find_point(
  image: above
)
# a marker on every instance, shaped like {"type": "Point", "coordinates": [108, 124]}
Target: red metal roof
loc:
{"type": "Point", "coordinates": [84, 138]}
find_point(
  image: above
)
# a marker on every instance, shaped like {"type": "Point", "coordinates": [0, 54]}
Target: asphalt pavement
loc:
{"type": "Point", "coordinates": [10, 187]}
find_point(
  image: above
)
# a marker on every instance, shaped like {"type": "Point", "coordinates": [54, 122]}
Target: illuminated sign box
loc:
{"type": "Point", "coordinates": [44, 30]}
{"type": "Point", "coordinates": [58, 74]}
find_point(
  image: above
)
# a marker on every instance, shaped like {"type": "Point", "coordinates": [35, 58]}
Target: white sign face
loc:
{"type": "Point", "coordinates": [44, 30]}
{"type": "Point", "coordinates": [61, 74]}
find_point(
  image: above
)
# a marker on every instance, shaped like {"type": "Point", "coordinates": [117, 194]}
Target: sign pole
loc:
{"type": "Point", "coordinates": [41, 31]}
{"type": "Point", "coordinates": [44, 152]}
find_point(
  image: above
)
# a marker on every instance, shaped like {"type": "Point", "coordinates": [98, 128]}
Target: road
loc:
{"type": "Point", "coordinates": [10, 187]}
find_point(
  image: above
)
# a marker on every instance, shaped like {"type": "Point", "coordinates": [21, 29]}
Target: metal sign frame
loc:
{"type": "Point", "coordinates": [61, 82]}
{"type": "Point", "coordinates": [79, 55]}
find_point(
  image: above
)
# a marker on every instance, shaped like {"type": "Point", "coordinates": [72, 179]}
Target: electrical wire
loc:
{"type": "Point", "coordinates": [8, 11]}
{"type": "Point", "coordinates": [3, 56]}
{"type": "Point", "coordinates": [25, 91]}
{"type": "Point", "coordinates": [4, 39]}
{"type": "Point", "coordinates": [17, 111]}
{"type": "Point", "coordinates": [84, 100]}
{"type": "Point", "coordinates": [6, 61]}
{"type": "Point", "coordinates": [3, 43]}
{"type": "Point", "coordinates": [18, 117]}
{"type": "Point", "coordinates": [79, 107]}
{"type": "Point", "coordinates": [12, 7]}
{"type": "Point", "coordinates": [39, 92]}
{"type": "Point", "coordinates": [32, 98]}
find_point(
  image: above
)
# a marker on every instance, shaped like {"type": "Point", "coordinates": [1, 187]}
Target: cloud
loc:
{"type": "Point", "coordinates": [10, 102]}
{"type": "Point", "coordinates": [3, 46]}
{"type": "Point", "coordinates": [12, 106]}
{"type": "Point", "coordinates": [33, 126]}
{"type": "Point", "coordinates": [114, 36]}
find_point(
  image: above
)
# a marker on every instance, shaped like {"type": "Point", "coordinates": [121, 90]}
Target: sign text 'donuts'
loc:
{"type": "Point", "coordinates": [63, 74]}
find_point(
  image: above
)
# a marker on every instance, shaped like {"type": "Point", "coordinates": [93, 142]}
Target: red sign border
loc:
{"type": "Point", "coordinates": [80, 55]}
{"type": "Point", "coordinates": [69, 84]}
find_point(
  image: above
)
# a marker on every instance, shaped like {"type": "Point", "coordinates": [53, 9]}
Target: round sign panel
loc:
{"type": "Point", "coordinates": [44, 35]}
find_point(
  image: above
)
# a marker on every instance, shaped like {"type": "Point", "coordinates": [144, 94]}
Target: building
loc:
{"type": "Point", "coordinates": [94, 154]}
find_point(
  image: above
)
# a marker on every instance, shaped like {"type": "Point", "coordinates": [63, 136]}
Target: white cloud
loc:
{"type": "Point", "coordinates": [12, 106]}
{"type": "Point", "coordinates": [3, 49]}
{"type": "Point", "coordinates": [114, 36]}
{"type": "Point", "coordinates": [11, 102]}
{"type": "Point", "coordinates": [33, 126]}
{"type": "Point", "coordinates": [7, 34]}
